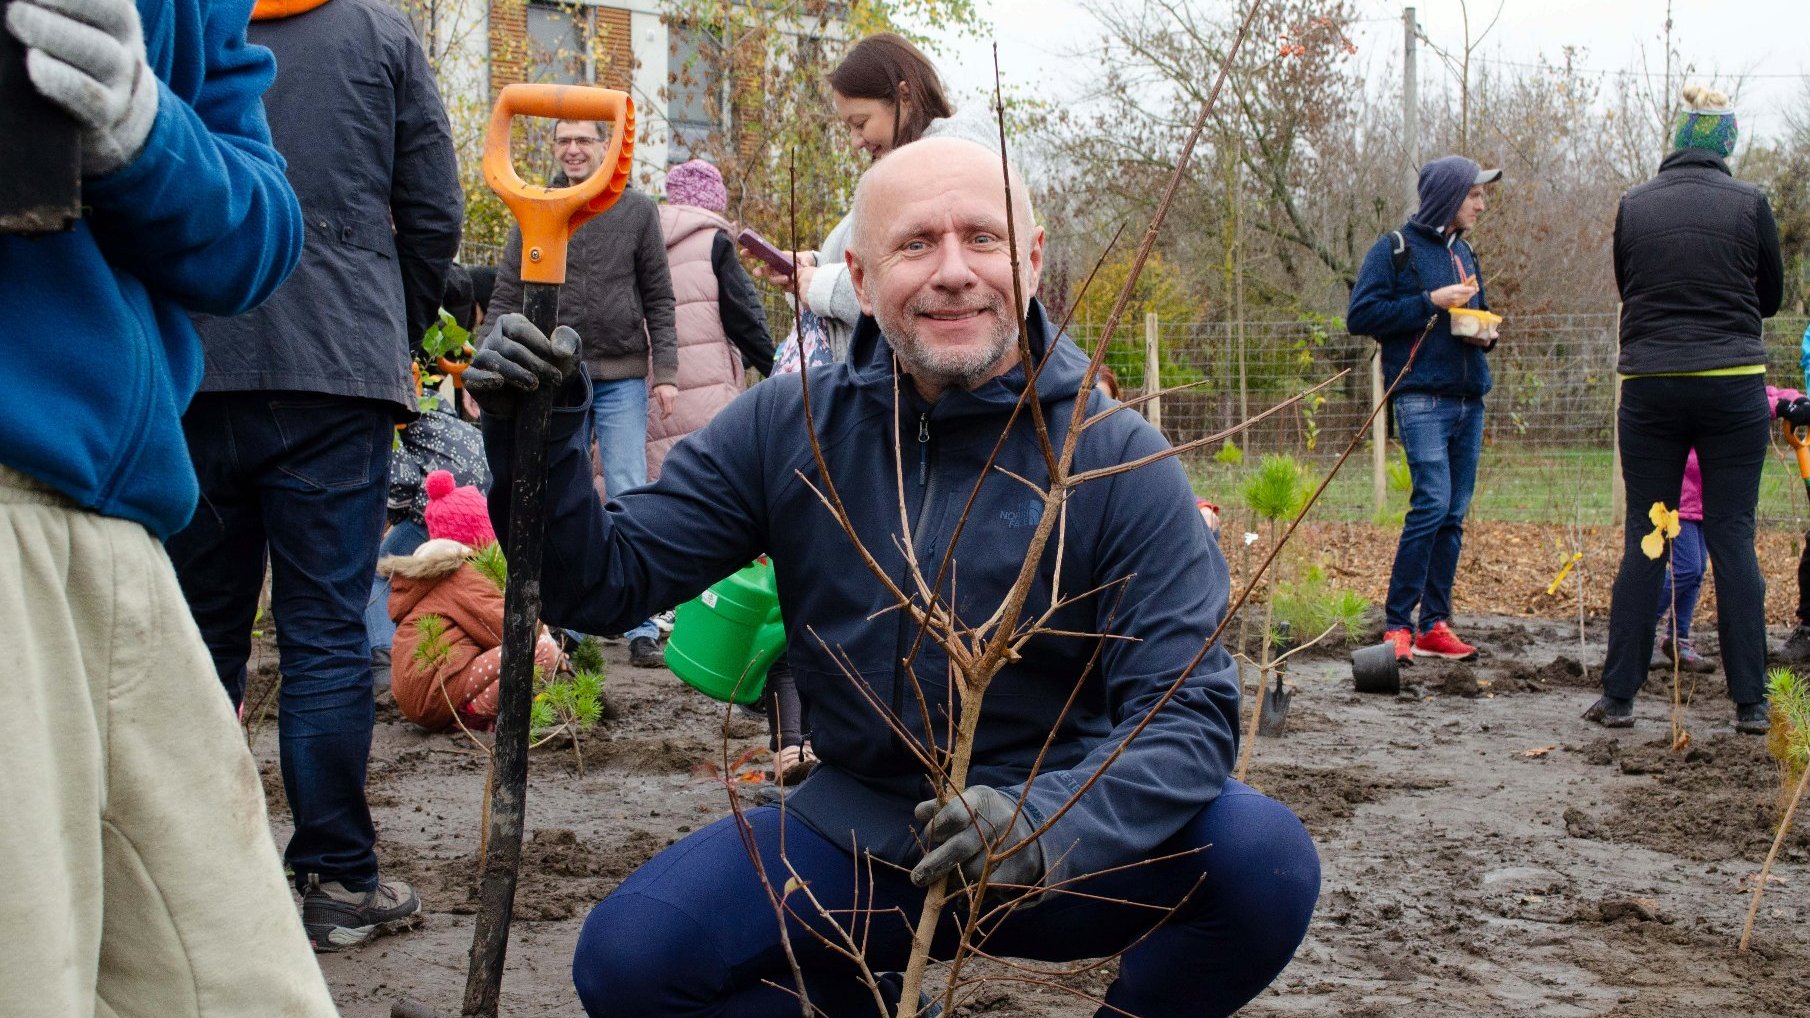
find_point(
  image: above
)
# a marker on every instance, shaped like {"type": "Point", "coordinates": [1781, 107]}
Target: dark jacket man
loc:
{"type": "Point", "coordinates": [1697, 262]}
{"type": "Point", "coordinates": [292, 430]}
{"type": "Point", "coordinates": [617, 294]}
{"type": "Point", "coordinates": [1394, 306]}
{"type": "Point", "coordinates": [731, 491]}
{"type": "Point", "coordinates": [357, 115]}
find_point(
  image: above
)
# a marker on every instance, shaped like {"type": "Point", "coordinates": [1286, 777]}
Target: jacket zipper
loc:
{"type": "Point", "coordinates": [923, 453]}
{"type": "Point", "coordinates": [917, 531]}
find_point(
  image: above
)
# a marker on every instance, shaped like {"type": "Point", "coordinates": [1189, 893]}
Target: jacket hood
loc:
{"type": "Point", "coordinates": [1443, 184]}
{"type": "Point", "coordinates": [432, 561]}
{"type": "Point", "coordinates": [678, 222]}
{"type": "Point", "coordinates": [870, 356]}
{"type": "Point", "coordinates": [271, 10]}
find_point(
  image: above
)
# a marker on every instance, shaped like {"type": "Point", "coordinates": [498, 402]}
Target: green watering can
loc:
{"type": "Point", "coordinates": [724, 640]}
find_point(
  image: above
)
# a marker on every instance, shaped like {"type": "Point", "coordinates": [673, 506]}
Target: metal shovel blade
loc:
{"type": "Point", "coordinates": [1275, 708]}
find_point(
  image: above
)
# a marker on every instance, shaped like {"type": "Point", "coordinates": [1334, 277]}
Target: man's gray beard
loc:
{"type": "Point", "coordinates": [948, 367]}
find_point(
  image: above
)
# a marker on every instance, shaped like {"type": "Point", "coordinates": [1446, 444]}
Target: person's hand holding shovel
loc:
{"type": "Point", "coordinates": [88, 56]}
{"type": "Point", "coordinates": [517, 358]}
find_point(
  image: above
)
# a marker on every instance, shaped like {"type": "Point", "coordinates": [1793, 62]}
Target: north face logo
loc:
{"type": "Point", "coordinates": [1028, 513]}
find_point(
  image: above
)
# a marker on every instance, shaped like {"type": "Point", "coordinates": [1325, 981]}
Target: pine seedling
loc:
{"type": "Point", "coordinates": [1229, 454]}
{"type": "Point", "coordinates": [436, 642]}
{"type": "Point", "coordinates": [1789, 739]}
{"type": "Point", "coordinates": [588, 656]}
{"type": "Point", "coordinates": [488, 559]}
{"type": "Point", "coordinates": [572, 704]}
{"type": "Point", "coordinates": [1789, 743]}
{"type": "Point", "coordinates": [1276, 492]}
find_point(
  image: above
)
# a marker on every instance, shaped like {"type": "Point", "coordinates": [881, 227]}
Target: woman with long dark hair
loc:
{"type": "Point", "coordinates": [886, 93]}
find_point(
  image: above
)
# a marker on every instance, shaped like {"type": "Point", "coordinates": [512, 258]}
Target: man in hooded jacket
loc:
{"type": "Point", "coordinates": [932, 379]}
{"type": "Point", "coordinates": [1410, 278]}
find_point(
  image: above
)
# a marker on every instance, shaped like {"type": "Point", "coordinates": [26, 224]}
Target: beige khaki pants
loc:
{"type": "Point", "coordinates": [137, 872]}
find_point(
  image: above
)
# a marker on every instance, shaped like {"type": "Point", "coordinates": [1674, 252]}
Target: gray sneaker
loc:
{"type": "Point", "coordinates": [1753, 718]}
{"type": "Point", "coordinates": [336, 918]}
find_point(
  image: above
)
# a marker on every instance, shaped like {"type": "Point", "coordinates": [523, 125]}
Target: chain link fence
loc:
{"type": "Point", "coordinates": [1548, 441]}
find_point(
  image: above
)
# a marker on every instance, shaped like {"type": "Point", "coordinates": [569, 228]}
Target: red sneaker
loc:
{"type": "Point", "coordinates": [1404, 645]}
{"type": "Point", "coordinates": [1440, 641]}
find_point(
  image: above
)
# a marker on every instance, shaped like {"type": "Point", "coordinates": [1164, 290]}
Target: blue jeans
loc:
{"type": "Point", "coordinates": [1443, 438]}
{"type": "Point", "coordinates": [691, 932]}
{"type": "Point", "coordinates": [619, 421]}
{"type": "Point", "coordinates": [298, 479]}
{"type": "Point", "coordinates": [1688, 556]}
{"type": "Point", "coordinates": [404, 537]}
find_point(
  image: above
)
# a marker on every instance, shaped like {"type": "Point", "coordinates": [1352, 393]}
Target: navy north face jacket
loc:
{"type": "Point", "coordinates": [737, 488]}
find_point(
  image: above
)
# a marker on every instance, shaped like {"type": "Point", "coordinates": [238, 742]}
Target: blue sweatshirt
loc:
{"type": "Point", "coordinates": [1394, 307]}
{"type": "Point", "coordinates": [101, 357]}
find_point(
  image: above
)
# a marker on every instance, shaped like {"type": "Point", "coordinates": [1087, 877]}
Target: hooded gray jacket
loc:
{"type": "Point", "coordinates": [356, 114]}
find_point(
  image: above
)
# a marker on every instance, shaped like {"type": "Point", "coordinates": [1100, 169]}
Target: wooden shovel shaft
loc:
{"type": "Point", "coordinates": [521, 620]}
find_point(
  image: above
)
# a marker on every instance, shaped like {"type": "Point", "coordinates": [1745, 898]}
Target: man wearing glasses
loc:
{"type": "Point", "coordinates": [618, 296]}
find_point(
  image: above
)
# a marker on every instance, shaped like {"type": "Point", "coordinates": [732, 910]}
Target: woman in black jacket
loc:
{"type": "Point", "coordinates": [1697, 262]}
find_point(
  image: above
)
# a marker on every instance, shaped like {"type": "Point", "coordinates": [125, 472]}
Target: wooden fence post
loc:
{"type": "Point", "coordinates": [1379, 436]}
{"type": "Point", "coordinates": [1153, 375]}
{"type": "Point", "coordinates": [1618, 489]}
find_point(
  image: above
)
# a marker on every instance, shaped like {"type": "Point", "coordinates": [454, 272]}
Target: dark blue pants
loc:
{"type": "Point", "coordinates": [1727, 421]}
{"type": "Point", "coordinates": [297, 478]}
{"type": "Point", "coordinates": [691, 933]}
{"type": "Point", "coordinates": [1443, 438]}
{"type": "Point", "coordinates": [1685, 579]}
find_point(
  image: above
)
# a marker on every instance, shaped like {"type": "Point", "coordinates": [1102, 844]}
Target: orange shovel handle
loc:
{"type": "Point", "coordinates": [548, 215]}
{"type": "Point", "coordinates": [1798, 445]}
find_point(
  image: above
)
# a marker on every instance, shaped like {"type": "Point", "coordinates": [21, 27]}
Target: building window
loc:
{"type": "Point", "coordinates": [580, 44]}
{"type": "Point", "coordinates": [694, 102]}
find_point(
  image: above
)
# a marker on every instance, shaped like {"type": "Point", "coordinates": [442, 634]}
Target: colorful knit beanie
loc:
{"type": "Point", "coordinates": [457, 513]}
{"type": "Point", "coordinates": [697, 183]}
{"type": "Point", "coordinates": [1707, 122]}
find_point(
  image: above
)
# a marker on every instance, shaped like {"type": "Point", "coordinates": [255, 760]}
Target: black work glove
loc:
{"type": "Point", "coordinates": [960, 835]}
{"type": "Point", "coordinates": [518, 358]}
{"type": "Point", "coordinates": [1797, 411]}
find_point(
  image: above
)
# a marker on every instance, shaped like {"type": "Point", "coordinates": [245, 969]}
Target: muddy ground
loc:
{"type": "Point", "coordinates": [1485, 852]}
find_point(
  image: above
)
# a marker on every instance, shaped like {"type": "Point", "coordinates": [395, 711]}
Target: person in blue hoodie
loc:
{"type": "Point", "coordinates": [1409, 282]}
{"type": "Point", "coordinates": [141, 877]}
{"type": "Point", "coordinates": [1152, 818]}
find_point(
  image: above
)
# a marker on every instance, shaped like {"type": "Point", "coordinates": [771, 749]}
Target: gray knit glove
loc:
{"type": "Point", "coordinates": [959, 835]}
{"type": "Point", "coordinates": [88, 56]}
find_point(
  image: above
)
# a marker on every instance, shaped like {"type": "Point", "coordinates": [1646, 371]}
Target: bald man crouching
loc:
{"type": "Point", "coordinates": [692, 932]}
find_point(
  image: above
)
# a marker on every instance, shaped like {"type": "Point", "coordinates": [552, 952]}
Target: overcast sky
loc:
{"type": "Point", "coordinates": [1043, 43]}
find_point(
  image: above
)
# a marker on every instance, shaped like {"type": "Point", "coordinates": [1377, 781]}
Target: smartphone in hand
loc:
{"type": "Point", "coordinates": [759, 247]}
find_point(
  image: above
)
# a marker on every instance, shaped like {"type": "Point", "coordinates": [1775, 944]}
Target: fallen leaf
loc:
{"type": "Point", "coordinates": [1538, 751]}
